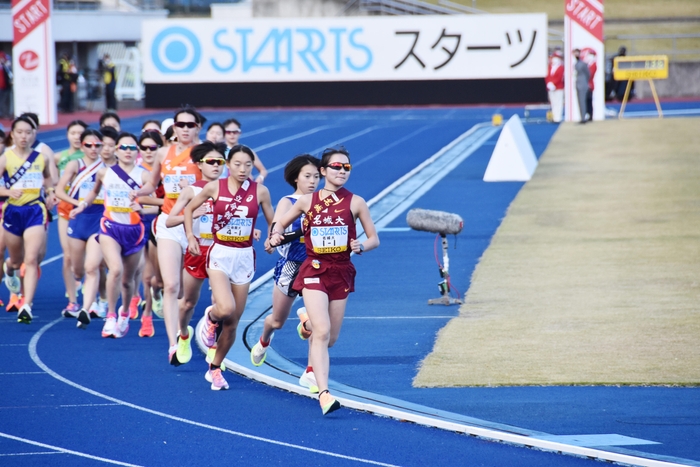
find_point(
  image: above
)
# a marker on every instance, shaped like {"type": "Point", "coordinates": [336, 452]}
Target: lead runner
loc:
{"type": "Point", "coordinates": [327, 276]}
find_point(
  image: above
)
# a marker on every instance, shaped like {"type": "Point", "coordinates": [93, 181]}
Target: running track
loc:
{"type": "Point", "coordinates": [84, 400]}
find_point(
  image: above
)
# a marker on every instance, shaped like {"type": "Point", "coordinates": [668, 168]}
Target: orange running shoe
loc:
{"type": "Point", "coordinates": [15, 303]}
{"type": "Point", "coordinates": [134, 307]}
{"type": "Point", "coordinates": [147, 329]}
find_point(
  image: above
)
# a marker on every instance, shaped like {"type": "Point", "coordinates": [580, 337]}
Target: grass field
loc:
{"type": "Point", "coordinates": [594, 275]}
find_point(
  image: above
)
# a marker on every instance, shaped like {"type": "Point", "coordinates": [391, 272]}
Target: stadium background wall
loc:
{"type": "Point", "coordinates": [345, 93]}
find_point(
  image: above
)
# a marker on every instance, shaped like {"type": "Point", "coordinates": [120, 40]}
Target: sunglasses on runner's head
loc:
{"type": "Point", "coordinates": [127, 147]}
{"type": "Point", "coordinates": [148, 148]}
{"type": "Point", "coordinates": [232, 132]}
{"type": "Point", "coordinates": [340, 165]}
{"type": "Point", "coordinates": [92, 145]}
{"type": "Point", "coordinates": [185, 124]}
{"type": "Point", "coordinates": [215, 161]}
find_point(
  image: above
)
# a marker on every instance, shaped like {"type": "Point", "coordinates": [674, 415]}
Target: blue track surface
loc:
{"type": "Point", "coordinates": [119, 399]}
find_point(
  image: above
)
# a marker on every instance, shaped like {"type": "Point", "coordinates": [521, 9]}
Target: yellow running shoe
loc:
{"type": "Point", "coordinates": [328, 403]}
{"type": "Point", "coordinates": [184, 347]}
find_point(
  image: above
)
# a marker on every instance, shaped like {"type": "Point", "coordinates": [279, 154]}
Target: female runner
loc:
{"type": "Point", "coordinates": [25, 213]}
{"type": "Point", "coordinates": [210, 159]}
{"type": "Point", "coordinates": [175, 167]}
{"type": "Point", "coordinates": [80, 176]}
{"type": "Point", "coordinates": [302, 174]}
{"type": "Point", "coordinates": [231, 260]}
{"type": "Point", "coordinates": [74, 152]}
{"type": "Point", "coordinates": [122, 236]}
{"type": "Point", "coordinates": [327, 275]}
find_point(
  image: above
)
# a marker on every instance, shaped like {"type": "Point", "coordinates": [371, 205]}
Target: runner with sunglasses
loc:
{"type": "Point", "coordinates": [25, 213]}
{"type": "Point", "coordinates": [74, 152]}
{"type": "Point", "coordinates": [149, 143]}
{"type": "Point", "coordinates": [78, 179]}
{"type": "Point", "coordinates": [122, 234]}
{"type": "Point", "coordinates": [327, 275]}
{"type": "Point", "coordinates": [210, 159]}
{"type": "Point", "coordinates": [175, 168]}
{"type": "Point", "coordinates": [231, 260]}
{"type": "Point", "coordinates": [303, 175]}
{"type": "Point", "coordinates": [232, 132]}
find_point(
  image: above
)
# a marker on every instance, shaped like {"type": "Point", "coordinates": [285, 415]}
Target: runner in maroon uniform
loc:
{"type": "Point", "coordinates": [327, 276]}
{"type": "Point", "coordinates": [231, 260]}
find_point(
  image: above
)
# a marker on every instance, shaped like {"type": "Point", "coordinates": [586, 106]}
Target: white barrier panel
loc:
{"type": "Point", "coordinates": [345, 49]}
{"type": "Point", "coordinates": [513, 159]}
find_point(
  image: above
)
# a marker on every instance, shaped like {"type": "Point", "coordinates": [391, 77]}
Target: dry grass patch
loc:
{"type": "Point", "coordinates": [594, 275]}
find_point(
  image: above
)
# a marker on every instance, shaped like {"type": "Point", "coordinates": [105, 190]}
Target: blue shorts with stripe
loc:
{"type": "Point", "coordinates": [17, 219]}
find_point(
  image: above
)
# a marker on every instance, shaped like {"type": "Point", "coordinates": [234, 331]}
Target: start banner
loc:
{"type": "Point", "coordinates": [583, 30]}
{"type": "Point", "coordinates": [454, 47]}
{"type": "Point", "coordinates": [33, 60]}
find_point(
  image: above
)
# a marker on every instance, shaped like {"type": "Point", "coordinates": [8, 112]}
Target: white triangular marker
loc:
{"type": "Point", "coordinates": [513, 159]}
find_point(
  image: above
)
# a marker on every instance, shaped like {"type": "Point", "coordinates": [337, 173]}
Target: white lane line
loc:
{"type": "Point", "coordinates": [86, 405]}
{"type": "Point", "coordinates": [667, 113]}
{"type": "Point", "coordinates": [30, 453]}
{"type": "Point", "coordinates": [23, 373]}
{"type": "Point", "coordinates": [66, 451]}
{"type": "Point", "coordinates": [400, 317]}
{"type": "Point", "coordinates": [292, 138]}
{"type": "Point", "coordinates": [394, 229]}
{"type": "Point", "coordinates": [51, 260]}
{"type": "Point", "coordinates": [332, 143]}
{"type": "Point", "coordinates": [391, 145]}
{"type": "Point", "coordinates": [13, 345]}
{"type": "Point", "coordinates": [37, 360]}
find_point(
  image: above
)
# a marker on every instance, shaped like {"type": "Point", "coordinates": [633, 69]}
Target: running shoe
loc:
{"type": "Point", "coordinates": [94, 310]}
{"type": "Point", "coordinates": [134, 307]}
{"type": "Point", "coordinates": [12, 282]}
{"type": "Point", "coordinates": [110, 327]}
{"type": "Point", "coordinates": [308, 380]}
{"type": "Point", "coordinates": [259, 352]}
{"type": "Point", "coordinates": [147, 329]}
{"type": "Point", "coordinates": [216, 379]}
{"type": "Point", "coordinates": [122, 326]}
{"type": "Point", "coordinates": [328, 403]}
{"type": "Point", "coordinates": [207, 331]}
{"type": "Point", "coordinates": [24, 315]}
{"type": "Point", "coordinates": [157, 303]}
{"type": "Point", "coordinates": [71, 311]}
{"type": "Point", "coordinates": [304, 334]}
{"type": "Point", "coordinates": [211, 353]}
{"type": "Point", "coordinates": [172, 356]}
{"type": "Point", "coordinates": [184, 346]}
{"type": "Point", "coordinates": [83, 319]}
{"type": "Point", "coordinates": [15, 303]}
{"type": "Point", "coordinates": [103, 308]}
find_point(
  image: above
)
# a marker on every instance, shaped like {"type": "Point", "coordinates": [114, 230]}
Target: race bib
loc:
{"type": "Point", "coordinates": [171, 184]}
{"type": "Point", "coordinates": [85, 188]}
{"type": "Point", "coordinates": [206, 222]}
{"type": "Point", "coordinates": [31, 182]}
{"type": "Point", "coordinates": [118, 201]}
{"type": "Point", "coordinates": [329, 239]}
{"type": "Point", "coordinates": [238, 229]}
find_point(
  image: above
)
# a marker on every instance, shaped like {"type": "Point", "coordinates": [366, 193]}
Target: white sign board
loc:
{"type": "Point", "coordinates": [345, 49]}
{"type": "Point", "coordinates": [33, 60]}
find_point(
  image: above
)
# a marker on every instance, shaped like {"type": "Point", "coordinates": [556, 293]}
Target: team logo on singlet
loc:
{"type": "Point", "coordinates": [316, 264]}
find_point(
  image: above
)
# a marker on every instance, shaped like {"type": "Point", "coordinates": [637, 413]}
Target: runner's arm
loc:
{"type": "Point", "coordinates": [64, 181]}
{"type": "Point", "coordinates": [361, 211]}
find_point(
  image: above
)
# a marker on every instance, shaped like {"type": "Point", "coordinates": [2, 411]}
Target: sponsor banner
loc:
{"type": "Point", "coordinates": [583, 30]}
{"type": "Point", "coordinates": [33, 60]}
{"type": "Point", "coordinates": [345, 49]}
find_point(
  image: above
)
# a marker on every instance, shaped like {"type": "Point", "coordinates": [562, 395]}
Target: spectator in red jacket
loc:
{"type": "Point", "coordinates": [555, 85]}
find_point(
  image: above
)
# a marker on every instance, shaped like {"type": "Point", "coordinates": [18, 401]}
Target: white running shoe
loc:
{"type": "Point", "coordinates": [110, 327]}
{"type": "Point", "coordinates": [12, 282]}
{"type": "Point", "coordinates": [24, 315]}
{"type": "Point", "coordinates": [94, 310]}
{"type": "Point", "coordinates": [308, 380]}
{"type": "Point", "coordinates": [102, 307]}
{"type": "Point", "coordinates": [122, 326]}
{"type": "Point", "coordinates": [216, 379]}
{"type": "Point", "coordinates": [259, 352]}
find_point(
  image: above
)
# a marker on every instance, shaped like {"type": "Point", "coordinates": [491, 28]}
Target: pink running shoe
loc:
{"type": "Point", "coordinates": [110, 327]}
{"type": "Point", "coordinates": [122, 326]}
{"type": "Point", "coordinates": [216, 379]}
{"type": "Point", "coordinates": [207, 331]}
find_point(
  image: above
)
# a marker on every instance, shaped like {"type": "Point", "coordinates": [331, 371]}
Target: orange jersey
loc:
{"type": "Point", "coordinates": [173, 170]}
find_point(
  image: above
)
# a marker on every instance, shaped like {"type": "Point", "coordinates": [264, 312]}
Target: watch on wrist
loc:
{"type": "Point", "coordinates": [362, 249]}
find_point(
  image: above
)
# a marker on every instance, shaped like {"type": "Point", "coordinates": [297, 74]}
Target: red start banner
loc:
{"type": "Point", "coordinates": [27, 16]}
{"type": "Point", "coordinates": [588, 14]}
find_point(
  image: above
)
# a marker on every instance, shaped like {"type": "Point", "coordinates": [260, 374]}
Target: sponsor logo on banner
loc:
{"type": "Point", "coordinates": [346, 49]}
{"type": "Point", "coordinates": [29, 60]}
{"type": "Point", "coordinates": [30, 16]}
